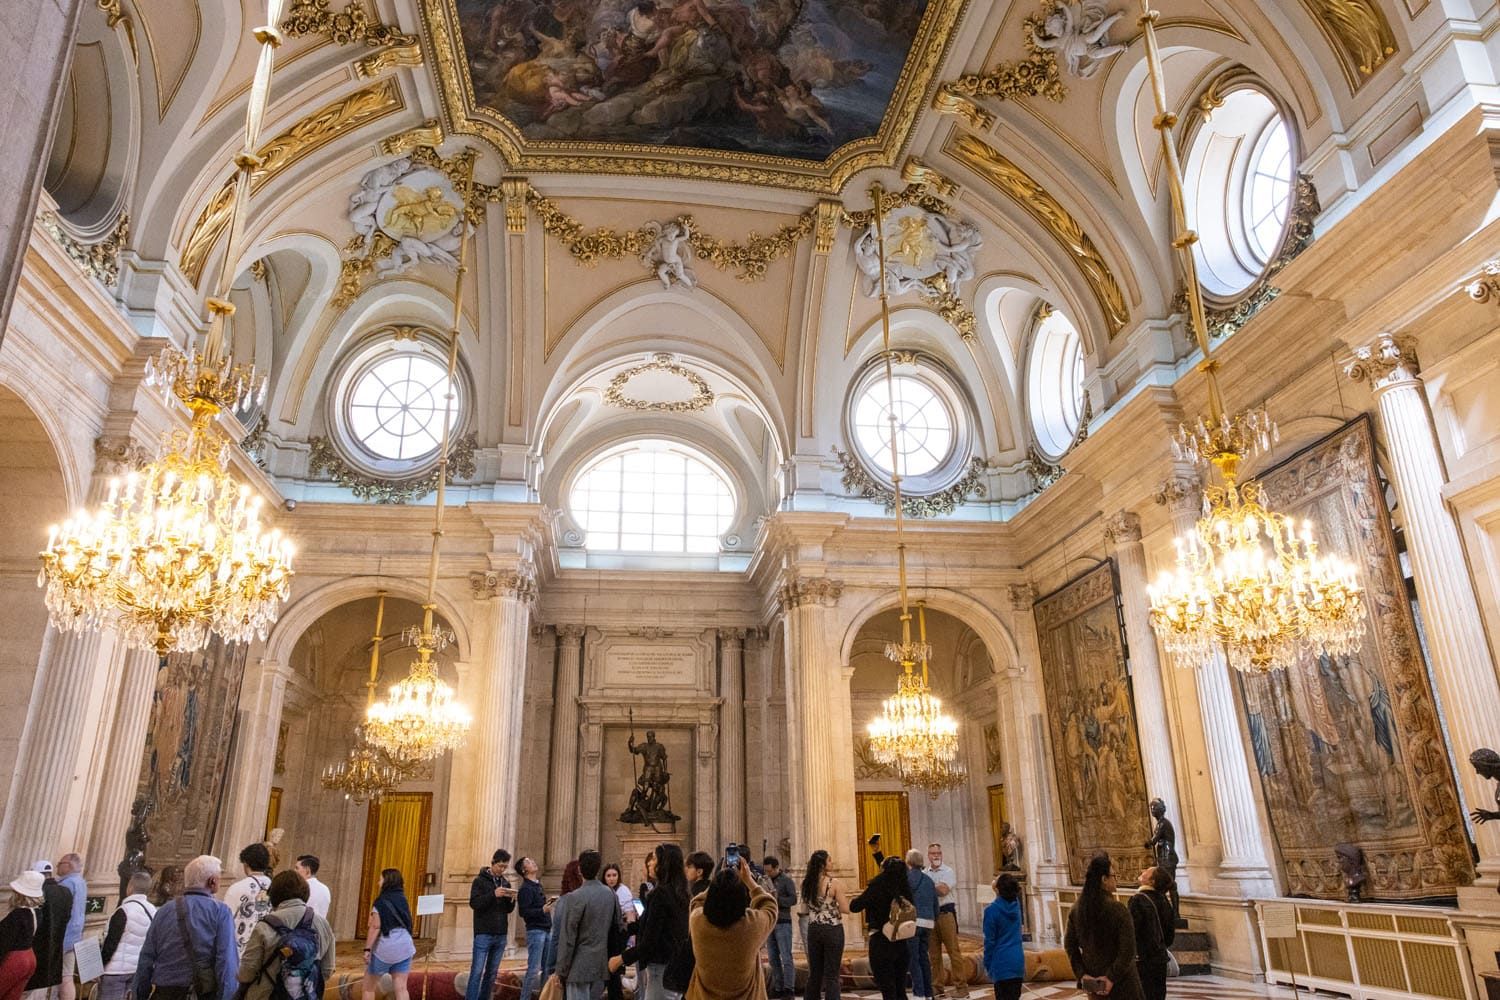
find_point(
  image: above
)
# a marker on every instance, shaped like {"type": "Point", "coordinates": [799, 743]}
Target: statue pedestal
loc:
{"type": "Point", "coordinates": [641, 841]}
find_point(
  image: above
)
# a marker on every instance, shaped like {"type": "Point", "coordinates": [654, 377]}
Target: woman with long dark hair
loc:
{"type": "Point", "coordinates": [888, 959]}
{"type": "Point", "coordinates": [823, 899]}
{"type": "Point", "coordinates": [663, 927]}
{"type": "Point", "coordinates": [1101, 937]}
{"type": "Point", "coordinates": [388, 943]}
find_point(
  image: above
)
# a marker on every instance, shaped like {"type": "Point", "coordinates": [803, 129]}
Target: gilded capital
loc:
{"type": "Point", "coordinates": [811, 590]}
{"type": "Point", "coordinates": [1122, 528]}
{"type": "Point", "coordinates": [1022, 596]}
{"type": "Point", "coordinates": [1386, 361]}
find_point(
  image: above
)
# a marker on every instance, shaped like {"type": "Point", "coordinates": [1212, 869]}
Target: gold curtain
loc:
{"type": "Point", "coordinates": [273, 811]}
{"type": "Point", "coordinates": [997, 822]}
{"type": "Point", "coordinates": [396, 837]}
{"type": "Point", "coordinates": [884, 813]}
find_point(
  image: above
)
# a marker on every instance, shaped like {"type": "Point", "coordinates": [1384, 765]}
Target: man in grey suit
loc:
{"type": "Point", "coordinates": [583, 932]}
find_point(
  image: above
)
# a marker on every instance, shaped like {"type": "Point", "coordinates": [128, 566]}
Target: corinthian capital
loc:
{"type": "Point", "coordinates": [811, 590]}
{"type": "Point", "coordinates": [519, 584]}
{"type": "Point", "coordinates": [1486, 287]}
{"type": "Point", "coordinates": [1181, 493]}
{"type": "Point", "coordinates": [1122, 528]}
{"type": "Point", "coordinates": [1386, 361]}
{"type": "Point", "coordinates": [1022, 596]}
{"type": "Point", "coordinates": [114, 456]}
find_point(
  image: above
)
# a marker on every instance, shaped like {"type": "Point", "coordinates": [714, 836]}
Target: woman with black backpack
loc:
{"type": "Point", "coordinates": [888, 958]}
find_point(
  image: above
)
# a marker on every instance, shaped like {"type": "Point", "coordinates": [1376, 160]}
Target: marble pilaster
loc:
{"type": "Point", "coordinates": [1244, 865]}
{"type": "Point", "coordinates": [1462, 666]}
{"type": "Point", "coordinates": [127, 739]}
{"type": "Point", "coordinates": [508, 597]}
{"type": "Point", "coordinates": [812, 742]}
{"type": "Point", "coordinates": [732, 733]}
{"type": "Point", "coordinates": [1123, 532]}
{"type": "Point", "coordinates": [562, 810]}
{"type": "Point", "coordinates": [262, 698]}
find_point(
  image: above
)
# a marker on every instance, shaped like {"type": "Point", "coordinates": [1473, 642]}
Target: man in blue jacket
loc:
{"type": "Point", "coordinates": [70, 875]}
{"type": "Point", "coordinates": [924, 898]}
{"type": "Point", "coordinates": [169, 964]}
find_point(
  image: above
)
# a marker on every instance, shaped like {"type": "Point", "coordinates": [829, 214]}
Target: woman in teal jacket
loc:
{"type": "Point", "coordinates": [1004, 961]}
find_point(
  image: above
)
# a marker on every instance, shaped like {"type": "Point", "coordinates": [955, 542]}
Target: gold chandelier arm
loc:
{"type": "Point", "coordinates": [246, 162]}
{"type": "Point", "coordinates": [1184, 238]}
{"type": "Point", "coordinates": [375, 653]}
{"type": "Point", "coordinates": [922, 637]}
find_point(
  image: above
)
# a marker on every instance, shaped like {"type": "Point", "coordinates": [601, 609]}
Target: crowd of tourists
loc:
{"type": "Point", "coordinates": [696, 928]}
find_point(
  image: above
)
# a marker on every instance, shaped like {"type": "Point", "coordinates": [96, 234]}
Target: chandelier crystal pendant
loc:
{"type": "Point", "coordinates": [177, 551]}
{"type": "Point", "coordinates": [912, 734]}
{"type": "Point", "coordinates": [1246, 580]}
{"type": "Point", "coordinates": [421, 717]}
{"type": "Point", "coordinates": [367, 772]}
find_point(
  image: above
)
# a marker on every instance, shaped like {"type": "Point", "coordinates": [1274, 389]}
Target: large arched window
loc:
{"type": "Point", "coordinates": [652, 496]}
{"type": "Point", "coordinates": [1239, 172]}
{"type": "Point", "coordinates": [1054, 379]}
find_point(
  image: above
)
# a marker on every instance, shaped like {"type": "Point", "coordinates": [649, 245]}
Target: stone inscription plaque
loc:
{"type": "Point", "coordinates": [651, 665]}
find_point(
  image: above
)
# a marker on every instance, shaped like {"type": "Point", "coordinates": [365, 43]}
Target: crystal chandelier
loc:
{"type": "Point", "coordinates": [177, 551]}
{"type": "Point", "coordinates": [1245, 580]}
{"type": "Point", "coordinates": [912, 734]}
{"type": "Point", "coordinates": [367, 772]}
{"type": "Point", "coordinates": [421, 717]}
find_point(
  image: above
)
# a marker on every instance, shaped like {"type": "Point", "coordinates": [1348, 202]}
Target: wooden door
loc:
{"type": "Point", "coordinates": [395, 837]}
{"type": "Point", "coordinates": [998, 820]}
{"type": "Point", "coordinates": [887, 814]}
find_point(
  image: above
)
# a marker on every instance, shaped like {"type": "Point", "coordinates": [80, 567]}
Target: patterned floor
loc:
{"type": "Point", "coordinates": [1192, 988]}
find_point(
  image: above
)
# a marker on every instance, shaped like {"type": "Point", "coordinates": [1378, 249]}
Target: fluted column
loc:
{"type": "Point", "coordinates": [732, 733]}
{"type": "Point", "coordinates": [497, 719]}
{"type": "Point", "coordinates": [1123, 531]}
{"type": "Point", "coordinates": [810, 669]}
{"type": "Point", "coordinates": [1461, 662]}
{"type": "Point", "coordinates": [50, 796]}
{"type": "Point", "coordinates": [1244, 869]}
{"type": "Point", "coordinates": [262, 698]}
{"type": "Point", "coordinates": [562, 820]}
{"type": "Point", "coordinates": [122, 772]}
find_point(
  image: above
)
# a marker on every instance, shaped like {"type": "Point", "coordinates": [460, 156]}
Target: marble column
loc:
{"type": "Point", "coordinates": [122, 773]}
{"type": "Point", "coordinates": [51, 797]}
{"type": "Point", "coordinates": [1244, 867]}
{"type": "Point", "coordinates": [811, 742]}
{"type": "Point", "coordinates": [1123, 532]}
{"type": "Point", "coordinates": [562, 824]}
{"type": "Point", "coordinates": [732, 733]}
{"type": "Point", "coordinates": [1456, 644]}
{"type": "Point", "coordinates": [497, 721]}
{"type": "Point", "coordinates": [261, 700]}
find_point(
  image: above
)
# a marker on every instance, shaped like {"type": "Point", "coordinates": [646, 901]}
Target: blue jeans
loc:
{"type": "Point", "coordinates": [920, 962]}
{"type": "Point", "coordinates": [536, 947]}
{"type": "Point", "coordinates": [487, 951]}
{"type": "Point", "coordinates": [783, 974]}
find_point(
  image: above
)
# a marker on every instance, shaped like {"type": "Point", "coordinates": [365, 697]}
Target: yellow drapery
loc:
{"type": "Point", "coordinates": [884, 813]}
{"type": "Point", "coordinates": [273, 811]}
{"type": "Point", "coordinates": [396, 837]}
{"type": "Point", "coordinates": [997, 822]}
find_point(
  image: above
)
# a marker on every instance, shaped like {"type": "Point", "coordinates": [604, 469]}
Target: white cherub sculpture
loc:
{"type": "Point", "coordinates": [670, 254]}
{"type": "Point", "coordinates": [1076, 30]}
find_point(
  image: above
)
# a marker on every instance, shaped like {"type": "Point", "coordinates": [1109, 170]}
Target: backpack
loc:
{"type": "Point", "coordinates": [300, 975]}
{"type": "Point", "coordinates": [902, 922]}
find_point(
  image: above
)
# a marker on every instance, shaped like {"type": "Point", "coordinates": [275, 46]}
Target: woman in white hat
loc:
{"type": "Point", "coordinates": [17, 930]}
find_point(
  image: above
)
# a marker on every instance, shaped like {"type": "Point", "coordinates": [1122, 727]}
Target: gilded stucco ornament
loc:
{"type": "Point", "coordinates": [1043, 473]}
{"type": "Point", "coordinates": [929, 253]}
{"type": "Point", "coordinates": [701, 397]}
{"type": "Point", "coordinates": [859, 482]}
{"type": "Point", "coordinates": [670, 254]}
{"type": "Point", "coordinates": [1036, 75]}
{"type": "Point", "coordinates": [100, 260]}
{"type": "Point", "coordinates": [352, 25]}
{"type": "Point", "coordinates": [1359, 34]}
{"type": "Point", "coordinates": [326, 459]}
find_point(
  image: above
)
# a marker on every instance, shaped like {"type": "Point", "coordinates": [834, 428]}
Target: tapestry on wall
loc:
{"type": "Point", "coordinates": [1348, 748]}
{"type": "Point", "coordinates": [186, 758]}
{"type": "Point", "coordinates": [1100, 781]}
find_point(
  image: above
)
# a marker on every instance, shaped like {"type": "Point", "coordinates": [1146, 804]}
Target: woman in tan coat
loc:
{"type": "Point", "coordinates": [728, 923]}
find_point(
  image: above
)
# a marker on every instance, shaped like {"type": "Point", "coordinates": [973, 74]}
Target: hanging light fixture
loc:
{"type": "Point", "coordinates": [177, 550]}
{"type": "Point", "coordinates": [1246, 580]}
{"type": "Point", "coordinates": [421, 717]}
{"type": "Point", "coordinates": [367, 772]}
{"type": "Point", "coordinates": [912, 734]}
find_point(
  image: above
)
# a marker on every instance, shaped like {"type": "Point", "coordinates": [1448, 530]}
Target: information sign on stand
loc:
{"type": "Point", "coordinates": [1279, 921]}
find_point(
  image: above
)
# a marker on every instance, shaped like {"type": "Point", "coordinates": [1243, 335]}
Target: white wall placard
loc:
{"type": "Point", "coordinates": [90, 962]}
{"type": "Point", "coordinates": [651, 665]}
{"type": "Point", "coordinates": [1279, 920]}
{"type": "Point", "coordinates": [430, 905]}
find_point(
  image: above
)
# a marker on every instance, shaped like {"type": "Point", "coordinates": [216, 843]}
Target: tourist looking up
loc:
{"type": "Point", "coordinates": [779, 944]}
{"type": "Point", "coordinates": [17, 934]}
{"type": "Point", "coordinates": [1150, 941]}
{"type": "Point", "coordinates": [584, 932]}
{"type": "Point", "coordinates": [1101, 939]}
{"type": "Point", "coordinates": [191, 952]}
{"type": "Point", "coordinates": [123, 938]}
{"type": "Point", "coordinates": [52, 927]}
{"type": "Point", "coordinates": [924, 897]}
{"type": "Point", "coordinates": [1004, 961]}
{"type": "Point", "coordinates": [531, 901]}
{"type": "Point", "coordinates": [492, 900]}
{"type": "Point", "coordinates": [291, 947]}
{"type": "Point", "coordinates": [318, 896]}
{"type": "Point", "coordinates": [728, 923]}
{"type": "Point", "coordinates": [887, 958]}
{"type": "Point", "coordinates": [388, 942]}
{"type": "Point", "coordinates": [945, 934]}
{"type": "Point", "coordinates": [248, 899]}
{"type": "Point", "coordinates": [823, 899]}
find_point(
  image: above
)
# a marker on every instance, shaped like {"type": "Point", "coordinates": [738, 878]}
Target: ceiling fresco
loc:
{"type": "Point", "coordinates": [804, 85]}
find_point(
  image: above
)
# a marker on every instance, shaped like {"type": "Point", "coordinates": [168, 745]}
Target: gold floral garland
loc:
{"type": "Point", "coordinates": [860, 483]}
{"type": "Point", "coordinates": [325, 457]}
{"type": "Point", "coordinates": [702, 396]}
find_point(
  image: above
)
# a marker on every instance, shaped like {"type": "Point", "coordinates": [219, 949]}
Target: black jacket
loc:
{"type": "Point", "coordinates": [491, 912]}
{"type": "Point", "coordinates": [875, 901]}
{"type": "Point", "coordinates": [51, 925]}
{"type": "Point", "coordinates": [532, 903]}
{"type": "Point", "coordinates": [661, 933]}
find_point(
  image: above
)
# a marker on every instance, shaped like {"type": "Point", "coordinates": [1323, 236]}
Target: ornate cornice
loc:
{"type": "Point", "coordinates": [802, 590]}
{"type": "Point", "coordinates": [515, 584]}
{"type": "Point", "coordinates": [1122, 528]}
{"type": "Point", "coordinates": [311, 133]}
{"type": "Point", "coordinates": [350, 26]}
{"type": "Point", "coordinates": [99, 260]}
{"type": "Point", "coordinates": [701, 398]}
{"type": "Point", "coordinates": [1386, 361]}
{"type": "Point", "coordinates": [1014, 182]}
{"type": "Point", "coordinates": [325, 457]}
{"type": "Point", "coordinates": [859, 482]}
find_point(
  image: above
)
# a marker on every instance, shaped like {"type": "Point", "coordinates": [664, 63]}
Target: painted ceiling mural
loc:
{"type": "Point", "coordinates": [787, 78]}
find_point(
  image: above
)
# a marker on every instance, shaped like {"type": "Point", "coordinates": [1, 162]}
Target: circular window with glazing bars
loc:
{"type": "Point", "coordinates": [933, 429]}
